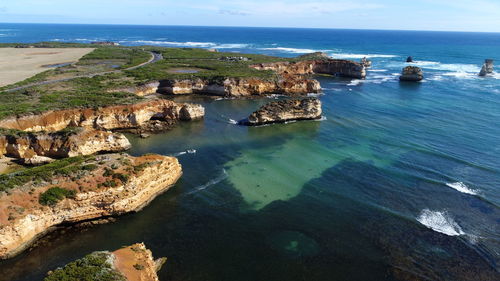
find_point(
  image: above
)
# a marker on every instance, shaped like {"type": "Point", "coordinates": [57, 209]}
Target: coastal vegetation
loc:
{"type": "Point", "coordinates": [78, 86]}
{"type": "Point", "coordinates": [54, 195]}
{"type": "Point", "coordinates": [95, 266]}
{"type": "Point", "coordinates": [65, 167]}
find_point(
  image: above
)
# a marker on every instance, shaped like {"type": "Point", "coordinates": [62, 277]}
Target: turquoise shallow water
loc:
{"type": "Point", "coordinates": [398, 181]}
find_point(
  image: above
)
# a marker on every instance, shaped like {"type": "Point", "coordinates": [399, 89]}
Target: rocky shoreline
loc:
{"type": "Point", "coordinates": [285, 111]}
{"type": "Point", "coordinates": [91, 188]}
{"type": "Point", "coordinates": [108, 185]}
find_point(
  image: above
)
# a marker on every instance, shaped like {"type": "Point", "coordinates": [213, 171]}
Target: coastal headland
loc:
{"type": "Point", "coordinates": [63, 124]}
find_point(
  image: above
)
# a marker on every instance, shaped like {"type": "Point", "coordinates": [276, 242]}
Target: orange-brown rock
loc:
{"type": "Point", "coordinates": [30, 146]}
{"type": "Point", "coordinates": [240, 87]}
{"type": "Point", "coordinates": [136, 263]}
{"type": "Point", "coordinates": [131, 263]}
{"type": "Point", "coordinates": [343, 68]}
{"type": "Point", "coordinates": [105, 118]}
{"type": "Point", "coordinates": [101, 186]}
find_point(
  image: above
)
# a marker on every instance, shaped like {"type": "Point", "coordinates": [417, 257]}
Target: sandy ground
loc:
{"type": "Point", "coordinates": [19, 64]}
{"type": "Point", "coordinates": [7, 165]}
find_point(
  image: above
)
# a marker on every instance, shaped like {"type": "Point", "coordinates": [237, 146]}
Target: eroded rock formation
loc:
{"type": "Point", "coordinates": [95, 187]}
{"type": "Point", "coordinates": [285, 110]}
{"type": "Point", "coordinates": [412, 73]}
{"type": "Point", "coordinates": [342, 68]}
{"type": "Point", "coordinates": [487, 68]}
{"type": "Point", "coordinates": [239, 87]}
{"type": "Point", "coordinates": [130, 116]}
{"type": "Point", "coordinates": [133, 263]}
{"type": "Point", "coordinates": [34, 148]}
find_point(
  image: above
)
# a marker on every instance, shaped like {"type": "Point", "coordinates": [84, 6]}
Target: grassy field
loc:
{"type": "Point", "coordinates": [105, 90]}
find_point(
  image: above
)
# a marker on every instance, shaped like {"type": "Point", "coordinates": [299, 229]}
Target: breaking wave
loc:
{"type": "Point", "coordinates": [440, 222]}
{"type": "Point", "coordinates": [189, 44]}
{"type": "Point", "coordinates": [460, 186]}
{"type": "Point", "coordinates": [293, 50]}
{"type": "Point", "coordinates": [360, 56]}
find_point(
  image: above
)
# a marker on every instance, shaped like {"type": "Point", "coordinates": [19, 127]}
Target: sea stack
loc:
{"type": "Point", "coordinates": [412, 73]}
{"type": "Point", "coordinates": [487, 68]}
{"type": "Point", "coordinates": [409, 59]}
{"type": "Point", "coordinates": [285, 110]}
{"type": "Point", "coordinates": [366, 63]}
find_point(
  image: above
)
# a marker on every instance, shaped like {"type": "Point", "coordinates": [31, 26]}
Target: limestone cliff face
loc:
{"type": "Point", "coordinates": [285, 110]}
{"type": "Point", "coordinates": [240, 87]}
{"type": "Point", "coordinates": [148, 176]}
{"type": "Point", "coordinates": [343, 68]}
{"type": "Point", "coordinates": [57, 145]}
{"type": "Point", "coordinates": [106, 118]}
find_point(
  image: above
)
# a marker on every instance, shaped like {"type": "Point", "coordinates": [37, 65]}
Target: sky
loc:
{"type": "Point", "coordinates": [449, 15]}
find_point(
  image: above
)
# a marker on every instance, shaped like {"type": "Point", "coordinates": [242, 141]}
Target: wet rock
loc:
{"type": "Point", "coordinates": [409, 59]}
{"type": "Point", "coordinates": [285, 110]}
{"type": "Point", "coordinates": [366, 63]}
{"type": "Point", "coordinates": [412, 73]}
{"type": "Point", "coordinates": [487, 68]}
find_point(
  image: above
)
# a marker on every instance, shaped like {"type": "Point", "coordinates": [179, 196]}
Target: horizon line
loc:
{"type": "Point", "coordinates": [237, 26]}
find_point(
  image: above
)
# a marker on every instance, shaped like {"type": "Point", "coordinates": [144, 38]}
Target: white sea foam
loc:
{"type": "Point", "coordinates": [460, 186]}
{"type": "Point", "coordinates": [190, 151]}
{"type": "Point", "coordinates": [189, 44]}
{"type": "Point", "coordinates": [293, 50]}
{"type": "Point", "coordinates": [360, 56]}
{"type": "Point", "coordinates": [377, 70]}
{"type": "Point", "coordinates": [355, 82]}
{"type": "Point", "coordinates": [211, 182]}
{"type": "Point", "coordinates": [440, 222]}
{"type": "Point", "coordinates": [323, 118]}
{"type": "Point", "coordinates": [315, 95]}
{"type": "Point", "coordinates": [232, 121]}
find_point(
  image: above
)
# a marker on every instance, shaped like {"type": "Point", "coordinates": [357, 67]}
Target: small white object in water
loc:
{"type": "Point", "coordinates": [460, 186]}
{"type": "Point", "coordinates": [440, 222]}
{"type": "Point", "coordinates": [232, 121]}
{"type": "Point", "coordinates": [191, 151]}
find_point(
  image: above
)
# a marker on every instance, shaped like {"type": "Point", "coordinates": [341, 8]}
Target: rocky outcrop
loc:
{"type": "Point", "coordinates": [285, 110]}
{"type": "Point", "coordinates": [409, 59]}
{"type": "Point", "coordinates": [34, 148]}
{"type": "Point", "coordinates": [366, 63]}
{"type": "Point", "coordinates": [412, 73]}
{"type": "Point", "coordinates": [130, 116]}
{"type": "Point", "coordinates": [342, 68]}
{"type": "Point", "coordinates": [101, 186]}
{"type": "Point", "coordinates": [240, 87]}
{"type": "Point", "coordinates": [132, 263]}
{"type": "Point", "coordinates": [487, 68]}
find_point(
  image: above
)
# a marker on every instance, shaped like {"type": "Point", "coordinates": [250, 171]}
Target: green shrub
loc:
{"type": "Point", "coordinates": [92, 267]}
{"type": "Point", "coordinates": [54, 195]}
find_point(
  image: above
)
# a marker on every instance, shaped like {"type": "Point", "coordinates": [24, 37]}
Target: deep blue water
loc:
{"type": "Point", "coordinates": [399, 182]}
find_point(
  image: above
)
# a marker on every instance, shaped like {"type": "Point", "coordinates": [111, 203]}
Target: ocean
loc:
{"type": "Point", "coordinates": [398, 181]}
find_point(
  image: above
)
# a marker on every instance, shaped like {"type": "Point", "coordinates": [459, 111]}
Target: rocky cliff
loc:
{"type": "Point", "coordinates": [342, 68]}
{"type": "Point", "coordinates": [130, 116]}
{"type": "Point", "coordinates": [238, 87]}
{"type": "Point", "coordinates": [132, 263]}
{"type": "Point", "coordinates": [285, 110]}
{"type": "Point", "coordinates": [75, 190]}
{"type": "Point", "coordinates": [28, 146]}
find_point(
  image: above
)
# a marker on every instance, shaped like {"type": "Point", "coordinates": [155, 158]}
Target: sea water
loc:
{"type": "Point", "coordinates": [397, 181]}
